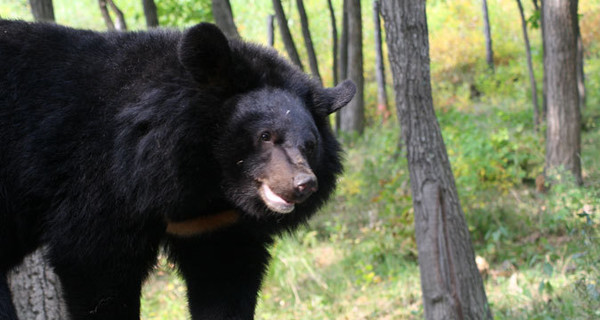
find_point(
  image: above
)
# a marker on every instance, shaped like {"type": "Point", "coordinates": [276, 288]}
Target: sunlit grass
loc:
{"type": "Point", "coordinates": [164, 295]}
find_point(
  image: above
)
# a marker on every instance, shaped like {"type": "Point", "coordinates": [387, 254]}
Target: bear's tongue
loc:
{"type": "Point", "coordinates": [275, 202]}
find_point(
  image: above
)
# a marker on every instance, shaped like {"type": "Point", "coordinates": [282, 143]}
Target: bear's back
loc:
{"type": "Point", "coordinates": [64, 100]}
{"type": "Point", "coordinates": [51, 59]}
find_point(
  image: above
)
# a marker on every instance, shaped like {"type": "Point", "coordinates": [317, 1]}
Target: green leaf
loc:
{"type": "Point", "coordinates": [548, 269]}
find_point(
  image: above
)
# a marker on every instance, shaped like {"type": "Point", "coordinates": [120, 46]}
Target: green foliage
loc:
{"type": "Point", "coordinates": [562, 275]}
{"type": "Point", "coordinates": [534, 20]}
{"type": "Point", "coordinates": [378, 188]}
{"type": "Point", "coordinates": [17, 9]}
{"type": "Point", "coordinates": [459, 72]}
{"type": "Point", "coordinates": [183, 13]}
{"type": "Point", "coordinates": [84, 14]}
{"type": "Point", "coordinates": [591, 114]}
{"type": "Point", "coordinates": [496, 149]}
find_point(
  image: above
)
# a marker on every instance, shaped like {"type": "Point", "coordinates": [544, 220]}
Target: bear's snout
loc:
{"type": "Point", "coordinates": [287, 182]}
{"type": "Point", "coordinates": [305, 184]}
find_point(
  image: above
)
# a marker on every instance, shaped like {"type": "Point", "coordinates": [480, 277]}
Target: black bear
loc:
{"type": "Point", "coordinates": [115, 144]}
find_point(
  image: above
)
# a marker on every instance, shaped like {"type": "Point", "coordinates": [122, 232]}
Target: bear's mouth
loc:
{"type": "Point", "coordinates": [273, 201]}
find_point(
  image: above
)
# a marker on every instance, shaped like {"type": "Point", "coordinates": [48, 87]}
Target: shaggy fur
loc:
{"type": "Point", "coordinates": [107, 139]}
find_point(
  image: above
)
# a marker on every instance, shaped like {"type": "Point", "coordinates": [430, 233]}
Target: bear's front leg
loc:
{"type": "Point", "coordinates": [102, 271]}
{"type": "Point", "coordinates": [223, 272]}
{"type": "Point", "coordinates": [90, 299]}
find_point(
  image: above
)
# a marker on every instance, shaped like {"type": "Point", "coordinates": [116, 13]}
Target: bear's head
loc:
{"type": "Point", "coordinates": [276, 150]}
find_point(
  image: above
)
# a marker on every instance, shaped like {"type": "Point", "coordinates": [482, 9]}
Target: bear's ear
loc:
{"type": "Point", "coordinates": [330, 100]}
{"type": "Point", "coordinates": [204, 51]}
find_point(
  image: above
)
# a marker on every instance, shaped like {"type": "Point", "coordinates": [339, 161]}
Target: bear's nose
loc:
{"type": "Point", "coordinates": [304, 185]}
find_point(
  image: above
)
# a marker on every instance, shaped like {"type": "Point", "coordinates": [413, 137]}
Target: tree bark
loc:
{"type": "Point", "coordinates": [545, 76]}
{"type": "Point", "coordinates": [150, 13]}
{"type": "Point", "coordinates": [451, 284]}
{"type": "Point", "coordinates": [353, 115]}
{"type": "Point", "coordinates": [270, 30]}
{"type": "Point", "coordinates": [563, 135]}
{"type": "Point", "coordinates": [334, 41]}
{"type": "Point", "coordinates": [120, 24]}
{"type": "Point", "coordinates": [224, 18]}
{"type": "Point", "coordinates": [382, 103]}
{"type": "Point", "coordinates": [310, 49]}
{"type": "Point", "coordinates": [343, 59]}
{"type": "Point", "coordinates": [489, 51]}
{"type": "Point", "coordinates": [42, 10]}
{"type": "Point", "coordinates": [580, 70]}
{"type": "Point", "coordinates": [286, 35]}
{"type": "Point", "coordinates": [36, 290]}
{"type": "Point", "coordinates": [106, 15]}
{"type": "Point", "coordinates": [343, 62]}
{"type": "Point", "coordinates": [534, 100]}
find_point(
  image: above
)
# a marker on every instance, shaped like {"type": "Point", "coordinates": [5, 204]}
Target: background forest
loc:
{"type": "Point", "coordinates": [538, 248]}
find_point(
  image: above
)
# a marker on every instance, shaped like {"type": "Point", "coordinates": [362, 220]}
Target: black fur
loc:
{"type": "Point", "coordinates": [106, 137]}
{"type": "Point", "coordinates": [7, 310]}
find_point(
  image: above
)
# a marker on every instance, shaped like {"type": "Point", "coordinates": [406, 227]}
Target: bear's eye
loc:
{"type": "Point", "coordinates": [265, 136]}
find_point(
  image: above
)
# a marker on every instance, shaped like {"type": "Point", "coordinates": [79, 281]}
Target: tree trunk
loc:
{"type": "Point", "coordinates": [451, 284]}
{"type": "Point", "coordinates": [353, 115]}
{"type": "Point", "coordinates": [120, 25]}
{"type": "Point", "coordinates": [150, 13]}
{"type": "Point", "coordinates": [224, 18]}
{"type": "Point", "coordinates": [286, 35]}
{"type": "Point", "coordinates": [270, 30]}
{"type": "Point", "coordinates": [580, 70]}
{"type": "Point", "coordinates": [334, 41]}
{"type": "Point", "coordinates": [382, 103]}
{"type": "Point", "coordinates": [42, 10]}
{"type": "Point", "coordinates": [343, 59]}
{"type": "Point", "coordinates": [545, 76]}
{"type": "Point", "coordinates": [489, 51]}
{"type": "Point", "coordinates": [563, 135]}
{"type": "Point", "coordinates": [36, 290]}
{"type": "Point", "coordinates": [310, 49]}
{"type": "Point", "coordinates": [536, 112]}
{"type": "Point", "coordinates": [106, 15]}
{"type": "Point", "coordinates": [343, 62]}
